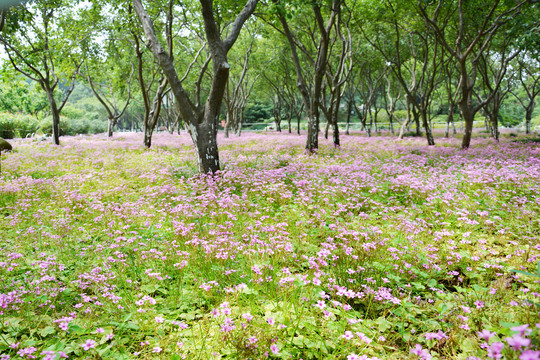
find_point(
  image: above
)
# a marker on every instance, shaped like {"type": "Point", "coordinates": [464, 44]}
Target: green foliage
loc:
{"type": "Point", "coordinates": [45, 126]}
{"type": "Point", "coordinates": [7, 126]}
{"type": "Point", "coordinates": [257, 112]}
{"type": "Point", "coordinates": [15, 125]}
{"type": "Point", "coordinates": [18, 95]}
{"type": "Point", "coordinates": [74, 126]}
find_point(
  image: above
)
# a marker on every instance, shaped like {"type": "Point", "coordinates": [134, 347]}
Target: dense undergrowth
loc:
{"type": "Point", "coordinates": [379, 249]}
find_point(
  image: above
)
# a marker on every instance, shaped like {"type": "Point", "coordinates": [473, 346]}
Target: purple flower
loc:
{"type": "Point", "coordinates": [530, 355]}
{"type": "Point", "coordinates": [522, 329]}
{"type": "Point", "coordinates": [494, 351]}
{"type": "Point", "coordinates": [424, 354]}
{"type": "Point", "coordinates": [517, 341]}
{"type": "Point", "coordinates": [89, 344]}
{"type": "Point", "coordinates": [274, 348]}
{"type": "Point", "coordinates": [486, 334]}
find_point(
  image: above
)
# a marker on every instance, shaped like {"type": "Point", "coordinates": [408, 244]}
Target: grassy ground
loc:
{"type": "Point", "coordinates": [379, 249]}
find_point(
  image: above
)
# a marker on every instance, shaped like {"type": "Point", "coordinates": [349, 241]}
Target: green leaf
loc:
{"type": "Point", "coordinates": [49, 330]}
{"type": "Point", "coordinates": [383, 324]}
{"type": "Point", "coordinates": [76, 329]}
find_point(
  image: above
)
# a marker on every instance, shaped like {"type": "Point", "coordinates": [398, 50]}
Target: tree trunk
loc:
{"type": "Point", "coordinates": [289, 119]}
{"type": "Point", "coordinates": [417, 123]}
{"type": "Point", "coordinates": [55, 116]}
{"type": "Point", "coordinates": [403, 127]}
{"type": "Point", "coordinates": [349, 109]}
{"type": "Point", "coordinates": [148, 131]}
{"type": "Point", "coordinates": [427, 128]}
{"type": "Point", "coordinates": [312, 143]}
{"type": "Point", "coordinates": [326, 128]}
{"type": "Point", "coordinates": [205, 140]}
{"type": "Point", "coordinates": [528, 117]}
{"type": "Point", "coordinates": [110, 127]}
{"type": "Point", "coordinates": [468, 118]}
{"type": "Point", "coordinates": [449, 119]}
{"type": "Point", "coordinates": [487, 124]}
{"type": "Point", "coordinates": [494, 120]}
{"type": "Point", "coordinates": [335, 134]}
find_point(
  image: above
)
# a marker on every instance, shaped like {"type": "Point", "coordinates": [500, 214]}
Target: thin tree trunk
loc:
{"type": "Point", "coordinates": [427, 128]}
{"type": "Point", "coordinates": [403, 127]}
{"type": "Point", "coordinates": [335, 134]}
{"type": "Point", "coordinates": [528, 117]}
{"type": "Point", "coordinates": [326, 128]}
{"type": "Point", "coordinates": [55, 116]}
{"type": "Point", "coordinates": [349, 109]}
{"type": "Point", "coordinates": [450, 119]}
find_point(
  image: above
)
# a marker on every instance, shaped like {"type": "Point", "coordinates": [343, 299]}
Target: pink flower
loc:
{"type": "Point", "coordinates": [438, 335]}
{"type": "Point", "coordinates": [320, 304]}
{"type": "Point", "coordinates": [159, 319]}
{"type": "Point", "coordinates": [530, 355]}
{"type": "Point", "coordinates": [517, 341]}
{"type": "Point", "coordinates": [479, 304]}
{"type": "Point", "coordinates": [363, 337]}
{"type": "Point", "coordinates": [89, 344]}
{"type": "Point", "coordinates": [494, 351]}
{"type": "Point", "coordinates": [271, 321]}
{"type": "Point", "coordinates": [522, 329]}
{"type": "Point", "coordinates": [27, 352]}
{"type": "Point", "coordinates": [348, 335]}
{"type": "Point", "coordinates": [486, 334]}
{"type": "Point", "coordinates": [424, 354]}
{"type": "Point", "coordinates": [157, 349]}
{"type": "Point", "coordinates": [274, 348]}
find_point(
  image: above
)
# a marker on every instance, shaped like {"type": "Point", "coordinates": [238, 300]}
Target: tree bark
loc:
{"type": "Point", "coordinates": [55, 117]}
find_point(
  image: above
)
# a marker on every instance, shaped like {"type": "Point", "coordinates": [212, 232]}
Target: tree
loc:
{"type": "Point", "coordinates": [493, 68]}
{"type": "Point", "coordinates": [476, 23]}
{"type": "Point", "coordinates": [202, 121]}
{"type": "Point", "coordinates": [529, 78]}
{"type": "Point", "coordinates": [337, 74]}
{"type": "Point", "coordinates": [108, 99]}
{"type": "Point", "coordinates": [239, 88]}
{"type": "Point", "coordinates": [41, 39]}
{"type": "Point", "coordinates": [311, 92]}
{"type": "Point", "coordinates": [414, 57]}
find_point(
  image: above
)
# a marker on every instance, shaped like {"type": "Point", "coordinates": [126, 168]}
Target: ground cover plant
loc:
{"type": "Point", "coordinates": [380, 249]}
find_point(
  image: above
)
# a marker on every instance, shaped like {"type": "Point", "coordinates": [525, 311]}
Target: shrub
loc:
{"type": "Point", "coordinates": [401, 114]}
{"type": "Point", "coordinates": [97, 126]}
{"type": "Point", "coordinates": [7, 126]}
{"type": "Point", "coordinates": [13, 125]}
{"type": "Point", "coordinates": [78, 126]}
{"type": "Point", "coordinates": [26, 125]}
{"type": "Point", "coordinates": [45, 126]}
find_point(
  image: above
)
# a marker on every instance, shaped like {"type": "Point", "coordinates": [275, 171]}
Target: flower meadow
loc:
{"type": "Point", "coordinates": [380, 249]}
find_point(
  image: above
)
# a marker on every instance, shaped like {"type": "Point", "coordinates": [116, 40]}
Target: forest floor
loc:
{"type": "Point", "coordinates": [381, 249]}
